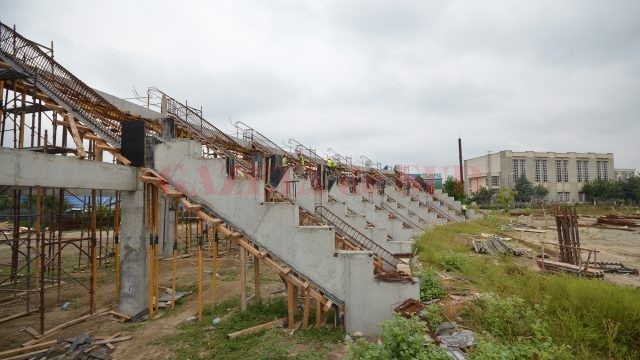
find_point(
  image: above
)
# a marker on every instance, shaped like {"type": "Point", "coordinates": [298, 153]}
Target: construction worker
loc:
{"type": "Point", "coordinates": [464, 210]}
{"type": "Point", "coordinates": [285, 162]}
{"type": "Point", "coordinates": [331, 164]}
{"type": "Point", "coordinates": [301, 161]}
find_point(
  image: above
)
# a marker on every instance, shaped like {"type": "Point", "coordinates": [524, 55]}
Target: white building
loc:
{"type": "Point", "coordinates": [563, 174]}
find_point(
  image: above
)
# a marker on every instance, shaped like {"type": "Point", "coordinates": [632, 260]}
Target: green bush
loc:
{"type": "Point", "coordinates": [430, 287]}
{"type": "Point", "coordinates": [514, 329]}
{"type": "Point", "coordinates": [402, 339]}
{"type": "Point", "coordinates": [452, 262]}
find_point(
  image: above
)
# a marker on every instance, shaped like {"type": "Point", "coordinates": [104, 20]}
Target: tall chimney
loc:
{"type": "Point", "coordinates": [460, 159]}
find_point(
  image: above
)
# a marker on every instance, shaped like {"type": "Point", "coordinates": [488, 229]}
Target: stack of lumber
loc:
{"type": "Point", "coordinates": [494, 245]}
{"type": "Point", "coordinates": [556, 266]}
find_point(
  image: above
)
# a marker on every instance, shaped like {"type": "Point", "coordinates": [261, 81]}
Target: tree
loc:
{"type": "Point", "coordinates": [539, 193]}
{"type": "Point", "coordinates": [482, 196]}
{"type": "Point", "coordinates": [505, 198]}
{"type": "Point", "coordinates": [524, 189]}
{"type": "Point", "coordinates": [454, 188]}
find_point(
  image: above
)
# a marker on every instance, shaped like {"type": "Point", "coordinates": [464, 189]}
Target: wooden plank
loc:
{"type": "Point", "coordinates": [243, 243]}
{"type": "Point", "coordinates": [122, 159]}
{"type": "Point", "coordinates": [26, 349]}
{"type": "Point", "coordinates": [99, 141]}
{"type": "Point", "coordinates": [94, 346]}
{"type": "Point", "coordinates": [111, 341]}
{"type": "Point", "coordinates": [189, 206]}
{"type": "Point", "coordinates": [18, 315]}
{"type": "Point", "coordinates": [307, 309]}
{"type": "Point", "coordinates": [31, 331]}
{"type": "Point", "coordinates": [151, 179]}
{"type": "Point", "coordinates": [291, 305]}
{"type": "Point", "coordinates": [76, 137]}
{"type": "Point", "coordinates": [256, 329]}
{"type": "Point", "coordinates": [51, 331]}
{"type": "Point", "coordinates": [243, 279]}
{"type": "Point", "coordinates": [327, 306]}
{"type": "Point", "coordinates": [208, 219]}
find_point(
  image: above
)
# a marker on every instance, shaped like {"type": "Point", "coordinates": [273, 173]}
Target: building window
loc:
{"type": "Point", "coordinates": [602, 169]}
{"type": "Point", "coordinates": [519, 169]}
{"type": "Point", "coordinates": [562, 170]}
{"type": "Point", "coordinates": [495, 181]}
{"type": "Point", "coordinates": [540, 170]}
{"type": "Point", "coordinates": [563, 196]}
{"type": "Point", "coordinates": [582, 167]}
{"type": "Point", "coordinates": [582, 197]}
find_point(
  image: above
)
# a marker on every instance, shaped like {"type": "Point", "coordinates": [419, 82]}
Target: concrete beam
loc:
{"type": "Point", "coordinates": [28, 168]}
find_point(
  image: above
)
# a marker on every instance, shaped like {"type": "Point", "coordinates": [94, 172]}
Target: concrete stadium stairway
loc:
{"type": "Point", "coordinates": [347, 276]}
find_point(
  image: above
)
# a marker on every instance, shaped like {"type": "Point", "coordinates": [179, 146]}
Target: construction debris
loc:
{"type": "Point", "coordinates": [258, 328]}
{"type": "Point", "coordinates": [396, 276]}
{"type": "Point", "coordinates": [570, 259]}
{"type": "Point", "coordinates": [616, 268]}
{"type": "Point", "coordinates": [522, 227]}
{"type": "Point", "coordinates": [409, 308]}
{"type": "Point", "coordinates": [618, 220]}
{"type": "Point", "coordinates": [494, 245]}
{"type": "Point", "coordinates": [454, 341]}
{"type": "Point", "coordinates": [165, 299]}
{"type": "Point", "coordinates": [557, 266]}
{"type": "Point", "coordinates": [82, 346]}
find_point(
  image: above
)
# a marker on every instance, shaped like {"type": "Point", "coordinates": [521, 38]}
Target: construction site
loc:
{"type": "Point", "coordinates": [160, 184]}
{"type": "Point", "coordinates": [125, 219]}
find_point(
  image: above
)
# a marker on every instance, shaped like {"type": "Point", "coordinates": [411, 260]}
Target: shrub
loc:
{"type": "Point", "coordinates": [401, 339]}
{"type": "Point", "coordinates": [430, 287]}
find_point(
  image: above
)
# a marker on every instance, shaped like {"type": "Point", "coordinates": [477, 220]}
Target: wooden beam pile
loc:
{"type": "Point", "coordinates": [563, 267]}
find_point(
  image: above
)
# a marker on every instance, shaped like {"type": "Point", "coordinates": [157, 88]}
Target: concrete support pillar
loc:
{"type": "Point", "coordinates": [167, 217]}
{"type": "Point", "coordinates": [134, 271]}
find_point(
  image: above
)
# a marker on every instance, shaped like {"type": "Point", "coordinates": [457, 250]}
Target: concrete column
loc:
{"type": "Point", "coordinates": [134, 271]}
{"type": "Point", "coordinates": [167, 224]}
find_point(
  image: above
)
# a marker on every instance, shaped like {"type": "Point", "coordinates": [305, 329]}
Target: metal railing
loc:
{"type": "Point", "coordinates": [434, 208]}
{"type": "Point", "coordinates": [261, 142]}
{"type": "Point", "coordinates": [308, 153]}
{"type": "Point", "coordinates": [200, 129]}
{"type": "Point", "coordinates": [351, 233]}
{"type": "Point", "coordinates": [401, 217]}
{"type": "Point", "coordinates": [61, 85]}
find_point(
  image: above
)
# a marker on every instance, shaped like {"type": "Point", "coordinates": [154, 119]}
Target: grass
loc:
{"type": "Point", "coordinates": [593, 318]}
{"type": "Point", "coordinates": [193, 342]}
{"type": "Point", "coordinates": [595, 210]}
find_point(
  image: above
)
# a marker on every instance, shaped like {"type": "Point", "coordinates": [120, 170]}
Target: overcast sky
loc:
{"type": "Point", "coordinates": [397, 81]}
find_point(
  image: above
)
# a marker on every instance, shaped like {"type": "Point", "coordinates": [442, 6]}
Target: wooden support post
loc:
{"type": "Point", "coordinates": [156, 255]}
{"type": "Point", "coordinates": [256, 279]}
{"type": "Point", "coordinates": [319, 314]}
{"type": "Point", "coordinates": [291, 304]}
{"type": "Point", "coordinates": [307, 308]}
{"type": "Point", "coordinates": [116, 243]}
{"type": "Point", "coordinates": [175, 254]}
{"type": "Point", "coordinates": [243, 279]}
{"type": "Point", "coordinates": [199, 272]}
{"type": "Point", "coordinates": [76, 137]}
{"type": "Point", "coordinates": [214, 267]}
{"type": "Point", "coordinates": [151, 250]}
{"type": "Point", "coordinates": [22, 102]}
{"type": "Point", "coordinates": [94, 275]}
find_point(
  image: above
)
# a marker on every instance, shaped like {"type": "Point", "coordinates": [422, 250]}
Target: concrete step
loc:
{"type": "Point", "coordinates": [346, 275]}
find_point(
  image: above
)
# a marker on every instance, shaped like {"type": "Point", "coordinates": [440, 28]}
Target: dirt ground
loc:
{"type": "Point", "coordinates": [615, 245]}
{"type": "Point", "coordinates": [145, 334]}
